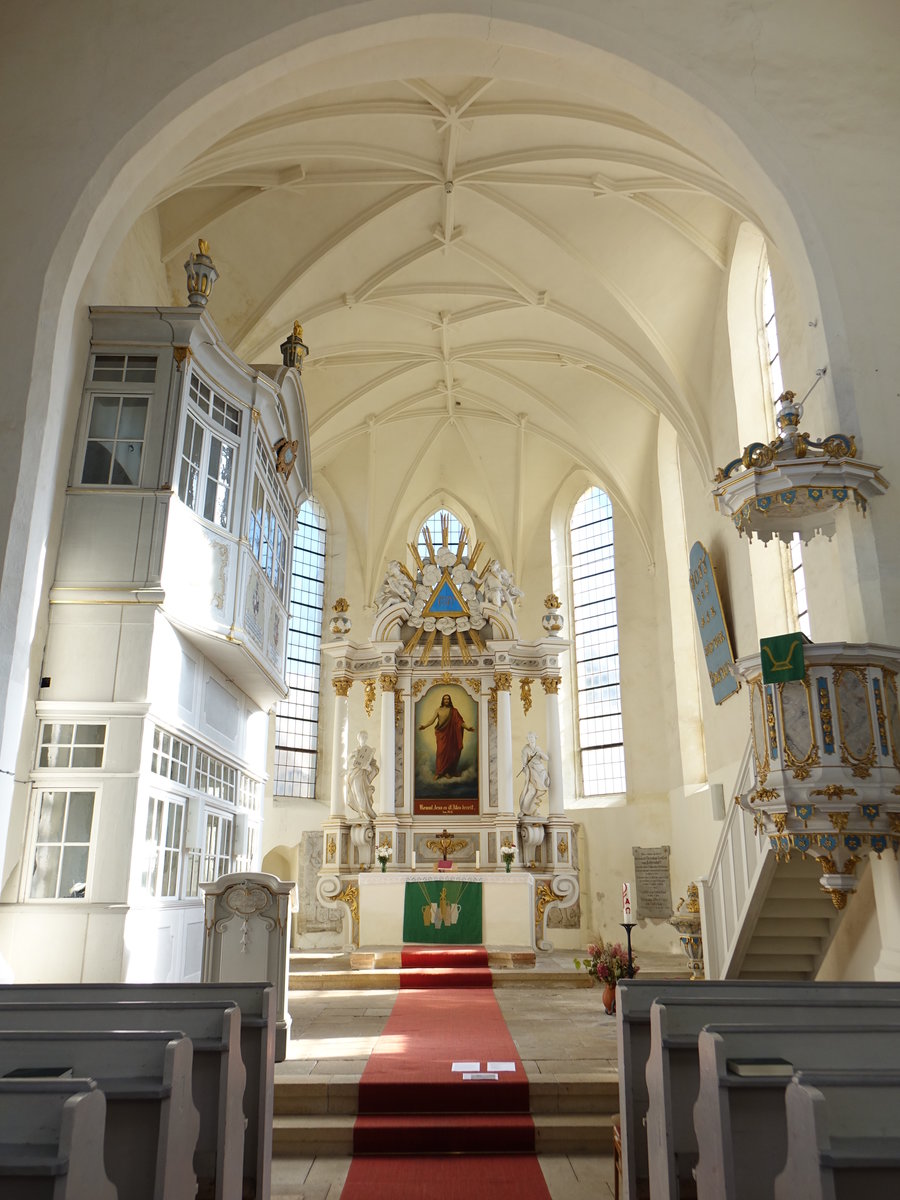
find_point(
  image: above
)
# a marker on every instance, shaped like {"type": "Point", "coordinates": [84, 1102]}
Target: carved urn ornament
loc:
{"type": "Point", "coordinates": [201, 275]}
{"type": "Point", "coordinates": [340, 622]}
{"type": "Point", "coordinates": [794, 484]}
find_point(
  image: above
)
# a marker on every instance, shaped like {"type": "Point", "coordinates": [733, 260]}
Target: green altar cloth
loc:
{"type": "Point", "coordinates": [440, 912]}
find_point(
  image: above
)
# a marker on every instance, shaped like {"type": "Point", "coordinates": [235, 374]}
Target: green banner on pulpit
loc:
{"type": "Point", "coordinates": [439, 912]}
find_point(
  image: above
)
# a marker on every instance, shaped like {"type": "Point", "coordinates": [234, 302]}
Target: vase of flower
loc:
{"type": "Point", "coordinates": [384, 854]}
{"type": "Point", "coordinates": [607, 963]}
{"type": "Point", "coordinates": [507, 853]}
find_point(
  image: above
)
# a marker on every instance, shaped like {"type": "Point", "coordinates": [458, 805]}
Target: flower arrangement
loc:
{"type": "Point", "coordinates": [508, 853]}
{"type": "Point", "coordinates": [607, 962]}
{"type": "Point", "coordinates": [384, 853]}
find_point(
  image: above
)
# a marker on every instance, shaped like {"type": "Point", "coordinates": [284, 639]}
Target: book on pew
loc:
{"type": "Point", "coordinates": [39, 1073]}
{"type": "Point", "coordinates": [749, 1067]}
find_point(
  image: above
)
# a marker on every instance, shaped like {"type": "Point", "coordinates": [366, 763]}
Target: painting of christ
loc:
{"type": "Point", "coordinates": [446, 751]}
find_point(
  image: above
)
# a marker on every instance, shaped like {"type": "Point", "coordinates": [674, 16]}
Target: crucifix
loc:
{"type": "Point", "coordinates": [444, 844]}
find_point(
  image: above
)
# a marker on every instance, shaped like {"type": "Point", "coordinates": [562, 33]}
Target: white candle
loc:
{"type": "Point", "coordinates": [627, 917]}
{"type": "Point", "coordinates": [477, 860]}
{"type": "Point", "coordinates": [413, 860]}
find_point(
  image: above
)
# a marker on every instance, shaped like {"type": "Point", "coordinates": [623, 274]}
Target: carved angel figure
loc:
{"type": "Point", "coordinates": [395, 586]}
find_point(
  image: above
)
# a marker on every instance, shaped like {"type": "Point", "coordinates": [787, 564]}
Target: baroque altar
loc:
{"type": "Point", "coordinates": [438, 784]}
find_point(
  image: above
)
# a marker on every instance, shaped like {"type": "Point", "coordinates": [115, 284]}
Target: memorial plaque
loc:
{"type": "Point", "coordinates": [652, 884]}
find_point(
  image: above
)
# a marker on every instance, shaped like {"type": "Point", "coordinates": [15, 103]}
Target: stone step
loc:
{"type": "Point", "coordinates": [389, 980]}
{"type": "Point", "coordinates": [331, 1134]}
{"type": "Point", "coordinates": [337, 1095]}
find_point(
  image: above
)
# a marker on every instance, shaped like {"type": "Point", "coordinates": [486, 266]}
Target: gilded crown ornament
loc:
{"type": "Point", "coordinates": [293, 349]}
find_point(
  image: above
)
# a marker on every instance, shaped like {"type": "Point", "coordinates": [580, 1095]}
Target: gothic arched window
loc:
{"type": "Point", "coordinates": [597, 645]}
{"type": "Point", "coordinates": [433, 525]}
{"type": "Point", "coordinates": [297, 717]}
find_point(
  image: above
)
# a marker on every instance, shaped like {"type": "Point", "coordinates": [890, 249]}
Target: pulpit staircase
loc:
{"type": "Point", "coordinates": [762, 919]}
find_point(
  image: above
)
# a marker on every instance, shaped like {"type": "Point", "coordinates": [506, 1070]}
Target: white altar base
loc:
{"type": "Point", "coordinates": [507, 906]}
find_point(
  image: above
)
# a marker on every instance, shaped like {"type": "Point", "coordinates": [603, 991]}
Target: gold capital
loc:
{"type": "Point", "coordinates": [342, 686]}
{"type": "Point", "coordinates": [388, 682]}
{"type": "Point", "coordinates": [503, 680]}
{"type": "Point", "coordinates": [550, 684]}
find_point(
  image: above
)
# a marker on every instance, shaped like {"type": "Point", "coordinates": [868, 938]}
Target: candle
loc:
{"type": "Point", "coordinates": [413, 860]}
{"type": "Point", "coordinates": [627, 917]}
{"type": "Point", "coordinates": [477, 860]}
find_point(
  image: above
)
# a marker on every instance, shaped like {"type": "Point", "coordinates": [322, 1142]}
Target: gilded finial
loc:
{"type": "Point", "coordinates": [203, 246]}
{"type": "Point", "coordinates": [552, 601]}
{"type": "Point", "coordinates": [298, 330]}
{"type": "Point", "coordinates": [341, 604]}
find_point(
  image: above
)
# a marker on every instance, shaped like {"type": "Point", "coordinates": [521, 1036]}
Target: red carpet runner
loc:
{"type": "Point", "coordinates": [411, 1102]}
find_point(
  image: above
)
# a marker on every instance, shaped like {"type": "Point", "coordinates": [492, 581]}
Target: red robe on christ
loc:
{"type": "Point", "coordinates": [449, 741]}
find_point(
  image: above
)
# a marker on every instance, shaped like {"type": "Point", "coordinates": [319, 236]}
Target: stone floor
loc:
{"type": "Point", "coordinates": [557, 1029]}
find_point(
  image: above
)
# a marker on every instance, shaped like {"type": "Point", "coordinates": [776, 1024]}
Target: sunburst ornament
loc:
{"type": "Point", "coordinates": [447, 600]}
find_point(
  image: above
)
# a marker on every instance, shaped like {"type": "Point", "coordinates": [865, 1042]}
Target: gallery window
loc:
{"type": "Point", "coordinates": [297, 717]}
{"type": "Point", "coordinates": [163, 847]}
{"type": "Point", "coordinates": [71, 744]}
{"type": "Point", "coordinates": [270, 519]}
{"type": "Point", "coordinates": [115, 441]}
{"type": "Point", "coordinates": [208, 453]}
{"type": "Point", "coordinates": [596, 632]}
{"type": "Point", "coordinates": [62, 845]}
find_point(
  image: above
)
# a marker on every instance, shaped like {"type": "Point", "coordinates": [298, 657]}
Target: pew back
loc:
{"type": "Point", "coordinates": [151, 1123]}
{"type": "Point", "coordinates": [737, 1115]}
{"type": "Point", "coordinates": [634, 998]}
{"type": "Point", "coordinates": [842, 1130]}
{"type": "Point", "coordinates": [257, 1004]}
{"type": "Point", "coordinates": [217, 1074]}
{"type": "Point", "coordinates": [673, 1070]}
{"type": "Point", "coordinates": [52, 1131]}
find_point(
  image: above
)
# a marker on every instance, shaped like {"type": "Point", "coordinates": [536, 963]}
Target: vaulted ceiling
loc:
{"type": "Point", "coordinates": [499, 283]}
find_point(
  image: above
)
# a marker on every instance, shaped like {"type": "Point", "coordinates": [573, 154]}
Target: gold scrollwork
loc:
{"type": "Point", "coordinates": [419, 686]}
{"type": "Point", "coordinates": [834, 791]}
{"type": "Point", "coordinates": [762, 795]}
{"type": "Point", "coordinates": [800, 767]}
{"type": "Point", "coordinates": [350, 897]}
{"type": "Point", "coordinates": [342, 686]}
{"type": "Point", "coordinates": [446, 677]}
{"type": "Point", "coordinates": [770, 722]}
{"type": "Point", "coordinates": [543, 895]}
{"type": "Point", "coordinates": [525, 692]}
{"type": "Point", "coordinates": [331, 847]}
{"type": "Point", "coordinates": [369, 690]}
{"type": "Point", "coordinates": [779, 820]}
{"type": "Point", "coordinates": [475, 685]}
{"type": "Point", "coordinates": [550, 684]}
{"type": "Point", "coordinates": [562, 848]}
{"type": "Point", "coordinates": [839, 821]}
{"type": "Point", "coordinates": [503, 681]}
{"type": "Point", "coordinates": [860, 764]}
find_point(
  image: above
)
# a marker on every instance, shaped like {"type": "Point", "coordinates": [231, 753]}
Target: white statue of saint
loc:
{"type": "Point", "coordinates": [361, 770]}
{"type": "Point", "coordinates": [535, 768]}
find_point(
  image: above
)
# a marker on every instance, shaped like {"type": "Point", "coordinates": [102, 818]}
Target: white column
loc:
{"type": "Point", "coordinates": [503, 680]}
{"type": "Point", "coordinates": [886, 880]}
{"type": "Point", "coordinates": [340, 736]}
{"type": "Point", "coordinates": [554, 746]}
{"type": "Point", "coordinates": [388, 712]}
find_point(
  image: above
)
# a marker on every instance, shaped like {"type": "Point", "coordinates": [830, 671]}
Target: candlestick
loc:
{"type": "Point", "coordinates": [628, 926]}
{"type": "Point", "coordinates": [413, 860]}
{"type": "Point", "coordinates": [477, 860]}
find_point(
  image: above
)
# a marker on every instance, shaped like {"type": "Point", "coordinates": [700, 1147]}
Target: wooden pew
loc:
{"type": "Point", "coordinates": [257, 1004]}
{"type": "Point", "coordinates": [151, 1123]}
{"type": "Point", "coordinates": [740, 1120]}
{"type": "Point", "coordinates": [673, 1069]}
{"type": "Point", "coordinates": [217, 1073]}
{"type": "Point", "coordinates": [843, 1131]}
{"type": "Point", "coordinates": [634, 998]}
{"type": "Point", "coordinates": [52, 1140]}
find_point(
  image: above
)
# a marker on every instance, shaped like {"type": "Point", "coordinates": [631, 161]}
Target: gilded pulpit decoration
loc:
{"type": "Point", "coordinates": [201, 275]}
{"type": "Point", "coordinates": [285, 456]}
{"type": "Point", "coordinates": [181, 354]}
